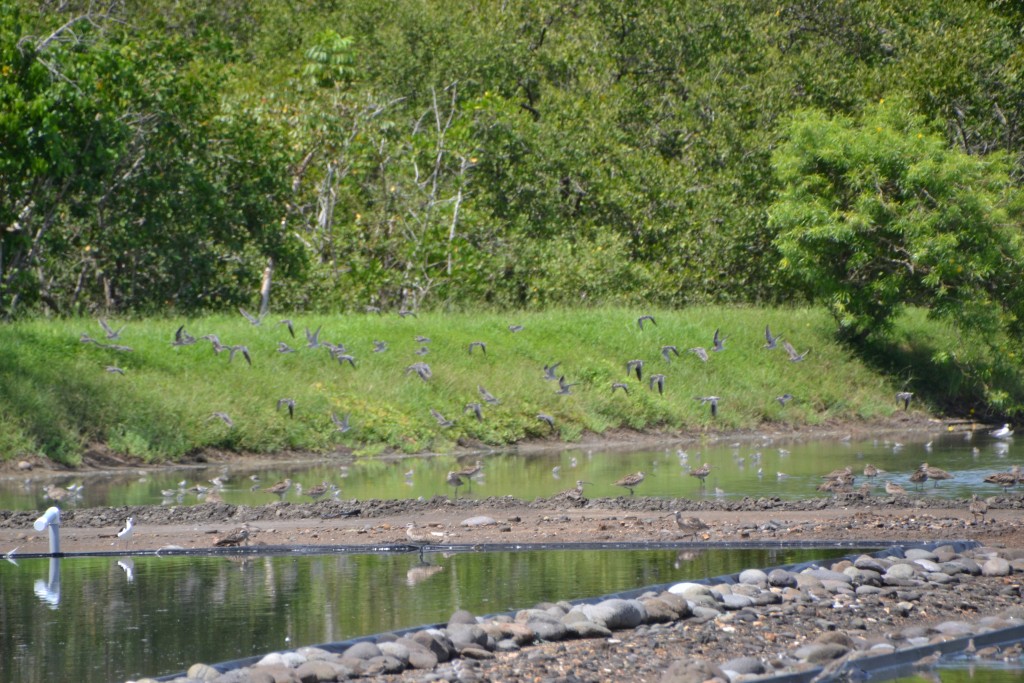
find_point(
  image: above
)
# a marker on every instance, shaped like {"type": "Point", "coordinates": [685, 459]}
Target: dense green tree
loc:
{"type": "Point", "coordinates": [881, 212]}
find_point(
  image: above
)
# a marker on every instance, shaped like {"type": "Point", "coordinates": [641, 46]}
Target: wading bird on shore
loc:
{"type": "Point", "coordinates": [690, 525]}
{"type": "Point", "coordinates": [631, 481]}
{"type": "Point", "coordinates": [701, 473]}
{"type": "Point", "coordinates": [126, 533]}
{"type": "Point", "coordinates": [280, 488]}
{"type": "Point", "coordinates": [1004, 432]}
{"type": "Point", "coordinates": [454, 480]}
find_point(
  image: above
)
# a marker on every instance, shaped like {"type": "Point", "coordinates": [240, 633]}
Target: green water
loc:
{"type": "Point", "coordinates": [168, 613]}
{"type": "Point", "coordinates": [738, 470]}
{"type": "Point", "coordinates": [965, 673]}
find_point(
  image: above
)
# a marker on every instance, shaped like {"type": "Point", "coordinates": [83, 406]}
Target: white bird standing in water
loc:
{"type": "Point", "coordinates": [128, 531]}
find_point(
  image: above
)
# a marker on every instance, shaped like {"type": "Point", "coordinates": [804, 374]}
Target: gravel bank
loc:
{"type": "Point", "coordinates": [748, 626]}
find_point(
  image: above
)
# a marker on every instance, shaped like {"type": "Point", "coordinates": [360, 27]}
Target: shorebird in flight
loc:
{"type": "Point", "coordinates": [109, 331]}
{"type": "Point", "coordinates": [904, 398]}
{"type": "Point", "coordinates": [284, 348]}
{"type": "Point", "coordinates": [713, 400]}
{"type": "Point", "coordinates": [341, 425]}
{"type": "Point", "coordinates": [666, 352]}
{"type": "Point", "coordinates": [183, 338]}
{"type": "Point", "coordinates": [223, 417]}
{"type": "Point", "coordinates": [620, 385]}
{"type": "Point", "coordinates": [476, 409]}
{"type": "Point", "coordinates": [771, 342]}
{"type": "Point", "coordinates": [313, 338]}
{"type": "Point", "coordinates": [564, 387]}
{"type": "Point", "coordinates": [635, 366]}
{"type": "Point", "coordinates": [290, 402]}
{"type": "Point", "coordinates": [718, 343]}
{"type": "Point", "coordinates": [515, 328]}
{"type": "Point", "coordinates": [700, 352]}
{"type": "Point", "coordinates": [658, 380]}
{"type": "Point", "coordinates": [288, 323]}
{"type": "Point", "coordinates": [442, 421]}
{"type": "Point", "coordinates": [549, 371]}
{"type": "Point", "coordinates": [784, 399]}
{"type": "Point", "coordinates": [114, 370]}
{"type": "Point", "coordinates": [793, 355]}
{"type": "Point", "coordinates": [487, 396]}
{"type": "Point", "coordinates": [478, 345]}
{"type": "Point", "coordinates": [421, 369]}
{"type": "Point", "coordinates": [379, 346]}
{"type": "Point", "coordinates": [253, 320]}
{"type": "Point", "coordinates": [547, 419]}
{"type": "Point", "coordinates": [239, 348]}
{"type": "Point", "coordinates": [641, 319]}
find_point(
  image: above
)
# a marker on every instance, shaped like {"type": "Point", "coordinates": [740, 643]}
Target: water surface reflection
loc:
{"type": "Point", "coordinates": [117, 619]}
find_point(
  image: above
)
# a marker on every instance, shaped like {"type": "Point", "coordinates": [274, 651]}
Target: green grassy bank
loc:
{"type": "Point", "coordinates": [57, 396]}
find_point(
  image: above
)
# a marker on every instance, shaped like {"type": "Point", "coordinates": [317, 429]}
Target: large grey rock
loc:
{"type": "Point", "coordinates": [462, 617]}
{"type": "Point", "coordinates": [465, 635]}
{"type": "Point", "coordinates": [480, 520]}
{"type": "Point", "coordinates": [780, 578]}
{"type": "Point", "coordinates": [202, 672]}
{"type": "Point", "coordinates": [995, 566]}
{"type": "Point", "coordinates": [754, 577]}
{"type": "Point", "coordinates": [902, 570]}
{"type": "Point", "coordinates": [616, 613]}
{"type": "Point", "coordinates": [436, 642]}
{"type": "Point", "coordinates": [585, 628]}
{"type": "Point", "coordinates": [551, 630]}
{"type": "Point", "coordinates": [396, 650]}
{"type": "Point", "coordinates": [363, 650]}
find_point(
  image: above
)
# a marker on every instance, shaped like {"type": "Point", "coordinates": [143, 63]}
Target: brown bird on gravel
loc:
{"type": "Point", "coordinates": [690, 525]}
{"type": "Point", "coordinates": [631, 481]}
{"type": "Point", "coordinates": [236, 538]}
{"type": "Point", "coordinates": [894, 489]}
{"type": "Point", "coordinates": [977, 507]}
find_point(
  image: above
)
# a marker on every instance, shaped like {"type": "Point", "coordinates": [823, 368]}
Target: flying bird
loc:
{"type": "Point", "coordinates": [421, 369]}
{"type": "Point", "coordinates": [379, 346]}
{"type": "Point", "coordinates": [114, 370]}
{"type": "Point", "coordinates": [718, 343]}
{"type": "Point", "coordinates": [904, 398]}
{"type": "Point", "coordinates": [223, 417]}
{"type": "Point", "coordinates": [635, 366]}
{"type": "Point", "coordinates": [564, 387]}
{"type": "Point", "coordinates": [476, 409]}
{"type": "Point", "coordinates": [771, 342]}
{"type": "Point", "coordinates": [291, 328]}
{"type": "Point", "coordinates": [700, 352]}
{"type": "Point", "coordinates": [341, 425]}
{"type": "Point", "coordinates": [110, 332]}
{"type": "Point", "coordinates": [478, 344]}
{"type": "Point", "coordinates": [239, 348]}
{"type": "Point", "coordinates": [784, 399]}
{"type": "Point", "coordinates": [544, 417]}
{"type": "Point", "coordinates": [313, 338]}
{"type": "Point", "coordinates": [793, 355]}
{"type": "Point", "coordinates": [487, 396]}
{"type": "Point", "coordinates": [183, 338]}
{"type": "Point", "coordinates": [666, 352]}
{"type": "Point", "coordinates": [657, 380]}
{"type": "Point", "coordinates": [442, 421]}
{"type": "Point", "coordinates": [515, 328]}
{"type": "Point", "coordinates": [620, 385]}
{"type": "Point", "coordinates": [284, 348]}
{"type": "Point", "coordinates": [549, 371]}
{"type": "Point", "coordinates": [290, 402]}
{"type": "Point", "coordinates": [251, 318]}
{"type": "Point", "coordinates": [641, 319]}
{"type": "Point", "coordinates": [713, 400]}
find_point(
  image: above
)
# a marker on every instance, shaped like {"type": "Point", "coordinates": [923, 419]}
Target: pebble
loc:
{"type": "Point", "coordinates": [625, 632]}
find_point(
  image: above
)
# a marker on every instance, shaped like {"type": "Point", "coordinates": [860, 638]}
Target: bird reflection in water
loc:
{"type": "Point", "coordinates": [420, 572]}
{"type": "Point", "coordinates": [686, 557]}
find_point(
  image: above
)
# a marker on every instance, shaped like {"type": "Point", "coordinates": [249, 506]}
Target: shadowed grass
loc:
{"type": "Point", "coordinates": [56, 396]}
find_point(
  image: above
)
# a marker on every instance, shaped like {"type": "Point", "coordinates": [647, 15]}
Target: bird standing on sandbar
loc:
{"type": "Point", "coordinates": [126, 533]}
{"type": "Point", "coordinates": [416, 535]}
{"type": "Point", "coordinates": [977, 507]}
{"type": "Point", "coordinates": [631, 481]}
{"type": "Point", "coordinates": [894, 489]}
{"type": "Point", "coordinates": [280, 488]}
{"type": "Point", "coordinates": [238, 537]}
{"type": "Point", "coordinates": [690, 525]}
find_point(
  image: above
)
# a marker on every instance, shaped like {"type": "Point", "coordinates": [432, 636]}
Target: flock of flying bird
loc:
{"type": "Point", "coordinates": [339, 352]}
